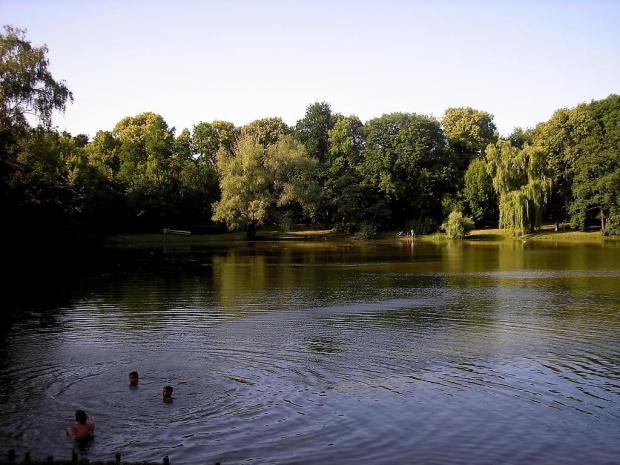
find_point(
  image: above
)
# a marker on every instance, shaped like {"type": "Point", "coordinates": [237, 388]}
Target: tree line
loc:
{"type": "Point", "coordinates": [396, 171]}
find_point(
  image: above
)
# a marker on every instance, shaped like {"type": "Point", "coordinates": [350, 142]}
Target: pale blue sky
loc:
{"type": "Point", "coordinates": [238, 61]}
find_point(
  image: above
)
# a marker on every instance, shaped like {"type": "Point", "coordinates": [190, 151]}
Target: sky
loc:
{"type": "Point", "coordinates": [197, 61]}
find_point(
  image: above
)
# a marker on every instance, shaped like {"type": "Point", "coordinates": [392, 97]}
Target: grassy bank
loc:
{"type": "Point", "coordinates": [546, 234]}
{"type": "Point", "coordinates": [313, 234]}
{"type": "Point", "coordinates": [298, 233]}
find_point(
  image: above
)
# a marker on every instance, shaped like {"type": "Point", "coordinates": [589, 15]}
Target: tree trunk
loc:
{"type": "Point", "coordinates": [251, 230]}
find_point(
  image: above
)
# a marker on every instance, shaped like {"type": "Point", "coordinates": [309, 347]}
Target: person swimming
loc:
{"type": "Point", "coordinates": [134, 379]}
{"type": "Point", "coordinates": [167, 393]}
{"type": "Point", "coordinates": [83, 428]}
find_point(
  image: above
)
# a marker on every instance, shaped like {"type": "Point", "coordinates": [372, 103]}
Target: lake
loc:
{"type": "Point", "coordinates": [306, 353]}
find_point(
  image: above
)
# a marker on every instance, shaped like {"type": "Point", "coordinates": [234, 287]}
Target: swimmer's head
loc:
{"type": "Point", "coordinates": [80, 416]}
{"type": "Point", "coordinates": [133, 378]}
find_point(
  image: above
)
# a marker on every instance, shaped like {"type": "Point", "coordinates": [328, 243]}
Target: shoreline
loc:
{"type": "Point", "coordinates": [329, 236]}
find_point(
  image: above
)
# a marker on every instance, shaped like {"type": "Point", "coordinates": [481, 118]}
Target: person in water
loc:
{"type": "Point", "coordinates": [83, 428]}
{"type": "Point", "coordinates": [167, 393]}
{"type": "Point", "coordinates": [134, 379]}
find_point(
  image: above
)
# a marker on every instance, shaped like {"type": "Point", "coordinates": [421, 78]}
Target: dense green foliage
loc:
{"type": "Point", "coordinates": [478, 192]}
{"type": "Point", "coordinates": [397, 170]}
{"type": "Point", "coordinates": [457, 226]}
{"type": "Point", "coordinates": [520, 179]}
{"type": "Point", "coordinates": [262, 182]}
{"type": "Point", "coordinates": [26, 85]}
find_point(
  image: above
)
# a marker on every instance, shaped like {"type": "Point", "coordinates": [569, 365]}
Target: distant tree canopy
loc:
{"type": "Point", "coordinates": [406, 160]}
{"type": "Point", "coordinates": [393, 171]}
{"type": "Point", "coordinates": [313, 130]}
{"type": "Point", "coordinates": [468, 132]}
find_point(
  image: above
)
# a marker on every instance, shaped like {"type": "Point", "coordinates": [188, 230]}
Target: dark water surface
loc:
{"type": "Point", "coordinates": [450, 353]}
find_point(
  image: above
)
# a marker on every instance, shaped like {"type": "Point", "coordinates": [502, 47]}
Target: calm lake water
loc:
{"type": "Point", "coordinates": [454, 353]}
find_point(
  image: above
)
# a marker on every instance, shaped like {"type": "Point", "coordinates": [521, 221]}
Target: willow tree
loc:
{"type": "Point", "coordinates": [522, 183]}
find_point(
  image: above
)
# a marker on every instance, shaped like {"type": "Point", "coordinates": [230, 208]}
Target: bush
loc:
{"type": "Point", "coordinates": [285, 220]}
{"type": "Point", "coordinates": [457, 226]}
{"type": "Point", "coordinates": [340, 228]}
{"type": "Point", "coordinates": [366, 231]}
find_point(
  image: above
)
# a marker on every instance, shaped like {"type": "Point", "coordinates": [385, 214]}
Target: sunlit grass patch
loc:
{"type": "Point", "coordinates": [315, 234]}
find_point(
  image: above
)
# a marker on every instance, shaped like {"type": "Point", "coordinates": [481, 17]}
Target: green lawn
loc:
{"type": "Point", "coordinates": [302, 233]}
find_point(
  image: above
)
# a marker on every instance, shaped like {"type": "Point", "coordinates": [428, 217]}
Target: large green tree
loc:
{"type": "Point", "coordinates": [209, 138]}
{"type": "Point", "coordinates": [468, 132]}
{"type": "Point", "coordinates": [346, 199]}
{"type": "Point", "coordinates": [27, 87]}
{"type": "Point", "coordinates": [103, 152]}
{"type": "Point", "coordinates": [146, 149]}
{"type": "Point", "coordinates": [405, 158]}
{"type": "Point", "coordinates": [266, 131]}
{"type": "Point", "coordinates": [195, 179]}
{"type": "Point", "coordinates": [522, 181]}
{"type": "Point", "coordinates": [205, 142]}
{"type": "Point", "coordinates": [32, 167]}
{"type": "Point", "coordinates": [259, 182]}
{"type": "Point", "coordinates": [313, 130]}
{"type": "Point", "coordinates": [559, 137]}
{"type": "Point", "coordinates": [146, 155]}
{"type": "Point", "coordinates": [98, 200]}
{"type": "Point", "coordinates": [181, 152]}
{"type": "Point", "coordinates": [596, 180]}
{"type": "Point", "coordinates": [478, 192]}
{"type": "Point", "coordinates": [40, 181]}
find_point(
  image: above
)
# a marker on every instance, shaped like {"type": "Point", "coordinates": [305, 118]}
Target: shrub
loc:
{"type": "Point", "coordinates": [457, 226]}
{"type": "Point", "coordinates": [366, 231]}
{"type": "Point", "coordinates": [285, 220]}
